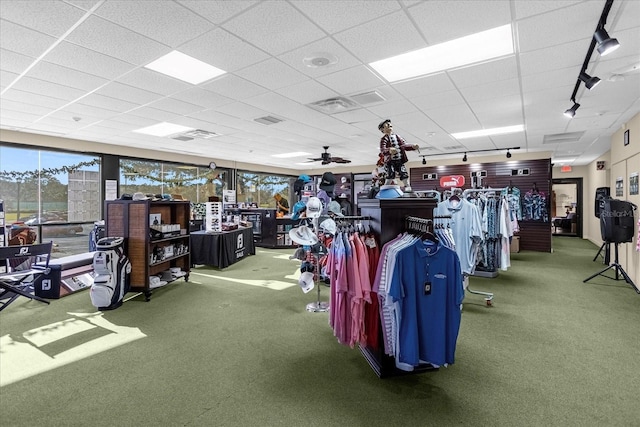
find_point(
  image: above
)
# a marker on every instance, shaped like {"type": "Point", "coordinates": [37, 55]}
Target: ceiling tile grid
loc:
{"type": "Point", "coordinates": [75, 59]}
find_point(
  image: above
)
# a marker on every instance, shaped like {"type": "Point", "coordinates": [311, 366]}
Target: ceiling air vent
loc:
{"type": "Point", "coordinates": [199, 133]}
{"type": "Point", "coordinates": [562, 138]}
{"type": "Point", "coordinates": [368, 98]}
{"type": "Point", "coordinates": [268, 120]}
{"type": "Point", "coordinates": [334, 105]}
{"type": "Point", "coordinates": [182, 138]}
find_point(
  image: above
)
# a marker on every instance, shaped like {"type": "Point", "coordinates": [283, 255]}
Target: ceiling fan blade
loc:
{"type": "Point", "coordinates": [340, 160]}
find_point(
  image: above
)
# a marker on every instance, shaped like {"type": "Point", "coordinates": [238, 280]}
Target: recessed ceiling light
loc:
{"type": "Point", "coordinates": [471, 49]}
{"type": "Point", "coordinates": [488, 132]}
{"type": "Point", "coordinates": [163, 129]}
{"type": "Point", "coordinates": [184, 67]}
{"type": "Point", "coordinates": [289, 155]}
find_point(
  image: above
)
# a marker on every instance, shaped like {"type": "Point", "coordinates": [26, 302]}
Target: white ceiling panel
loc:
{"type": "Point", "coordinates": [434, 18]}
{"type": "Point", "coordinates": [23, 40]}
{"type": "Point", "coordinates": [123, 44]}
{"type": "Point", "coordinates": [61, 59]}
{"type": "Point", "coordinates": [270, 26]}
{"type": "Point", "coordinates": [223, 50]}
{"type": "Point", "coordinates": [166, 22]}
{"type": "Point", "coordinates": [380, 39]}
{"type": "Point", "coordinates": [273, 74]}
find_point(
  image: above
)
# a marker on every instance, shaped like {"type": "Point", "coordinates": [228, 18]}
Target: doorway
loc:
{"type": "Point", "coordinates": [567, 207]}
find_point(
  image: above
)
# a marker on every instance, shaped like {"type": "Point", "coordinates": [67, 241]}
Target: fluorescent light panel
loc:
{"type": "Point", "coordinates": [289, 155]}
{"type": "Point", "coordinates": [466, 50]}
{"type": "Point", "coordinates": [184, 67]}
{"type": "Point", "coordinates": [163, 129]}
{"type": "Point", "coordinates": [488, 132]}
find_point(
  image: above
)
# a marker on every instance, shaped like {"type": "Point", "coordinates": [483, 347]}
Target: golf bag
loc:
{"type": "Point", "coordinates": [112, 271]}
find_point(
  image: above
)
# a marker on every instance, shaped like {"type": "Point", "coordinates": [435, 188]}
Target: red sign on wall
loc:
{"type": "Point", "coordinates": [452, 181]}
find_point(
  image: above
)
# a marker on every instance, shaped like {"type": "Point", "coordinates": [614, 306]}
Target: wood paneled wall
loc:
{"type": "Point", "coordinates": [534, 235]}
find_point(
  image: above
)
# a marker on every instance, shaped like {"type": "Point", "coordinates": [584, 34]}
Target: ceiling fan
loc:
{"type": "Point", "coordinates": [327, 158]}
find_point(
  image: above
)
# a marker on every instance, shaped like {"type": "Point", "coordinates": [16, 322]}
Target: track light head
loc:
{"type": "Point", "coordinates": [572, 111]}
{"type": "Point", "coordinates": [508, 154]}
{"type": "Point", "coordinates": [464, 159]}
{"type": "Point", "coordinates": [424, 161]}
{"type": "Point", "coordinates": [606, 44]}
{"type": "Point", "coordinates": [589, 82]}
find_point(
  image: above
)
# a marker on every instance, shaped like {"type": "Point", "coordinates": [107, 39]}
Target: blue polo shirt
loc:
{"type": "Point", "coordinates": [427, 285]}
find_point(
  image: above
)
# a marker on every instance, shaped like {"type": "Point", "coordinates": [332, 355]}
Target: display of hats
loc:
{"type": "Point", "coordinates": [297, 210]}
{"type": "Point", "coordinates": [305, 178]}
{"type": "Point", "coordinates": [298, 254]}
{"type": "Point", "coordinates": [329, 226]}
{"type": "Point", "coordinates": [306, 281]}
{"type": "Point", "coordinates": [307, 266]}
{"type": "Point", "coordinates": [303, 235]}
{"type": "Point", "coordinates": [335, 209]}
{"type": "Point", "coordinates": [139, 196]}
{"type": "Point", "coordinates": [327, 182]}
{"type": "Point", "coordinates": [155, 282]}
{"type": "Point", "coordinates": [126, 196]}
{"type": "Point", "coordinates": [314, 207]}
{"type": "Point", "coordinates": [344, 180]}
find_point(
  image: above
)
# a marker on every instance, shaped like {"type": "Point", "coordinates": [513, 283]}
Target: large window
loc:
{"type": "Point", "coordinates": [258, 188]}
{"type": "Point", "coordinates": [193, 183]}
{"type": "Point", "coordinates": [42, 186]}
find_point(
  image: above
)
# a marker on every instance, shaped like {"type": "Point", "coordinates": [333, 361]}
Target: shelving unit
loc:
{"type": "Point", "coordinates": [149, 255]}
{"type": "Point", "coordinates": [283, 226]}
{"type": "Point", "coordinates": [3, 233]}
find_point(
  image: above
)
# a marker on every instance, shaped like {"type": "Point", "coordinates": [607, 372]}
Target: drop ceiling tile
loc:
{"type": "Point", "coordinates": [234, 87]}
{"type": "Point", "coordinates": [110, 39]}
{"type": "Point", "coordinates": [326, 48]}
{"type": "Point", "coordinates": [385, 37]}
{"type": "Point", "coordinates": [203, 98]}
{"type": "Point", "coordinates": [23, 40]}
{"type": "Point", "coordinates": [352, 13]}
{"type": "Point", "coordinates": [217, 11]}
{"type": "Point", "coordinates": [525, 9]}
{"type": "Point", "coordinates": [128, 93]}
{"type": "Point", "coordinates": [6, 78]}
{"type": "Point", "coordinates": [274, 26]}
{"type": "Point", "coordinates": [155, 114]}
{"type": "Point", "coordinates": [48, 17]}
{"type": "Point", "coordinates": [242, 110]}
{"type": "Point", "coordinates": [8, 116]}
{"type": "Point", "coordinates": [14, 62]}
{"type": "Point", "coordinates": [565, 25]}
{"type": "Point", "coordinates": [454, 118]}
{"type": "Point", "coordinates": [272, 74]}
{"type": "Point", "coordinates": [66, 76]}
{"type": "Point", "coordinates": [35, 99]}
{"type": "Point", "coordinates": [166, 22]}
{"type": "Point", "coordinates": [223, 50]}
{"type": "Point", "coordinates": [392, 108]}
{"type": "Point", "coordinates": [154, 81]}
{"type": "Point", "coordinates": [440, 99]}
{"type": "Point", "coordinates": [490, 71]}
{"type": "Point", "coordinates": [554, 58]}
{"type": "Point", "coordinates": [80, 110]}
{"type": "Point", "coordinates": [491, 90]}
{"type": "Point", "coordinates": [433, 18]}
{"type": "Point", "coordinates": [426, 85]}
{"type": "Point", "coordinates": [307, 92]}
{"type": "Point", "coordinates": [107, 103]}
{"type": "Point", "coordinates": [354, 80]}
{"type": "Point", "coordinates": [175, 106]}
{"type": "Point", "coordinates": [79, 58]}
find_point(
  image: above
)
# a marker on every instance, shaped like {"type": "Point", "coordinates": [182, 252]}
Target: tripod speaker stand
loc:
{"type": "Point", "coordinates": [616, 226]}
{"type": "Point", "coordinates": [618, 269]}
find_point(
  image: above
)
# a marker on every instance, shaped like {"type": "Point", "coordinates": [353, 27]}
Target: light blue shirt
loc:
{"type": "Point", "coordinates": [466, 226]}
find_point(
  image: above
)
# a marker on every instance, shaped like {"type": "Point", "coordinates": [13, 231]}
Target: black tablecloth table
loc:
{"type": "Point", "coordinates": [221, 249]}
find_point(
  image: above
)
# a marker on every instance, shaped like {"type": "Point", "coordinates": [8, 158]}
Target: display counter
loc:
{"type": "Point", "coordinates": [221, 249]}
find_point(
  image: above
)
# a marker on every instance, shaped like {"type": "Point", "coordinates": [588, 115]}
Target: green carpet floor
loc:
{"type": "Point", "coordinates": [237, 348]}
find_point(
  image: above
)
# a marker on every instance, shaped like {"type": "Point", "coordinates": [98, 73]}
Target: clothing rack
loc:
{"type": "Point", "coordinates": [321, 306]}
